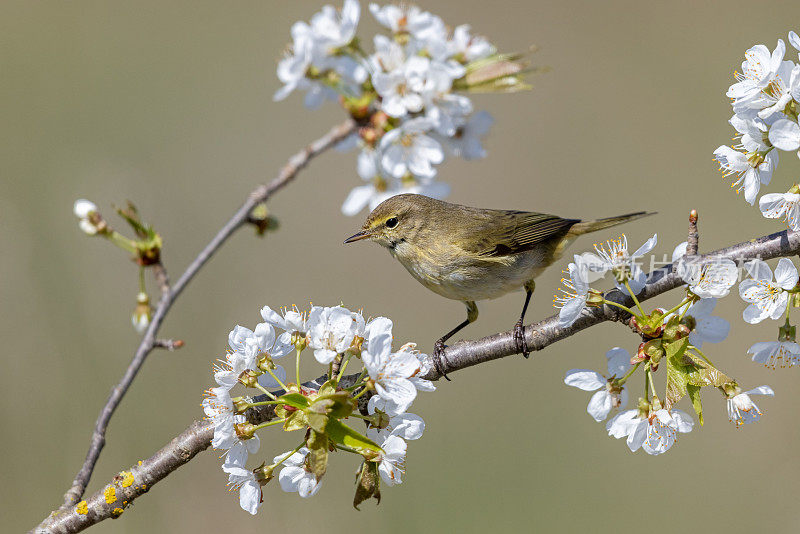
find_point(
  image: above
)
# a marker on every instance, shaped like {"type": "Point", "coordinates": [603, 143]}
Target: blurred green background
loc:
{"type": "Point", "coordinates": [169, 104]}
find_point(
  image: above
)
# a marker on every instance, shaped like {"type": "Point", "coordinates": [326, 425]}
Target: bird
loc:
{"type": "Point", "coordinates": [473, 254]}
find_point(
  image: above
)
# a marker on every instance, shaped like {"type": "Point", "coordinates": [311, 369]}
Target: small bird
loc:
{"type": "Point", "coordinates": [472, 254]}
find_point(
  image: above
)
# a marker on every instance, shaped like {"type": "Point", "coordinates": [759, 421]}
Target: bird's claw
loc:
{"type": "Point", "coordinates": [519, 339]}
{"type": "Point", "coordinates": [439, 359]}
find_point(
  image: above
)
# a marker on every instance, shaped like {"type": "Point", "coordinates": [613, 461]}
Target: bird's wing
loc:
{"type": "Point", "coordinates": [504, 233]}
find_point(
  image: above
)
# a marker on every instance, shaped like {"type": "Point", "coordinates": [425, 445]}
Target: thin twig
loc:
{"type": "Point", "coordinates": [546, 332]}
{"type": "Point", "coordinates": [260, 194]}
{"type": "Point", "coordinates": [169, 344]}
{"type": "Point", "coordinates": [459, 356]}
{"type": "Point", "coordinates": [693, 239]}
{"type": "Point", "coordinates": [162, 279]}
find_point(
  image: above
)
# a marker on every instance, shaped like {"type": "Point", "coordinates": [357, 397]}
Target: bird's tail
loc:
{"type": "Point", "coordinates": [586, 227]}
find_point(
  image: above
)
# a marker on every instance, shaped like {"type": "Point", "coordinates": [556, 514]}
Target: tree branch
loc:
{"type": "Point", "coordinates": [169, 295]}
{"type": "Point", "coordinates": [546, 332]}
{"type": "Point", "coordinates": [458, 356]}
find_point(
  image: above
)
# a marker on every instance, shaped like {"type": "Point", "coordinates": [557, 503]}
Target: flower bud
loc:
{"type": "Point", "coordinates": [594, 298]}
{"type": "Point", "coordinates": [265, 362]}
{"type": "Point", "coordinates": [245, 430]}
{"type": "Point", "coordinates": [91, 222]}
{"type": "Point", "coordinates": [264, 473]}
{"type": "Point", "coordinates": [787, 332]}
{"type": "Point", "coordinates": [249, 378]}
{"type": "Point", "coordinates": [142, 313]}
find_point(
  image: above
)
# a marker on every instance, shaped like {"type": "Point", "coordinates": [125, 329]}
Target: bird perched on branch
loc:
{"type": "Point", "coordinates": [472, 254]}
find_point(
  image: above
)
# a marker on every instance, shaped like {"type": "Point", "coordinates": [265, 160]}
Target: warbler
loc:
{"type": "Point", "coordinates": [471, 254]}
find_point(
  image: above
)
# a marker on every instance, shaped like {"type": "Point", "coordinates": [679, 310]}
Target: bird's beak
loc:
{"type": "Point", "coordinates": [363, 234]}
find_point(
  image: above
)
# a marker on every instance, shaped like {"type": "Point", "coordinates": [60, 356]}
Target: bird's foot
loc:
{"type": "Point", "coordinates": [519, 339]}
{"type": "Point", "coordinates": [439, 359]}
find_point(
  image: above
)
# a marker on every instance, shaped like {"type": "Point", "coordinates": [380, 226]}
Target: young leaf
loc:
{"type": "Point", "coordinates": [694, 396]}
{"type": "Point", "coordinates": [295, 400]}
{"type": "Point", "coordinates": [342, 434]}
{"type": "Point", "coordinates": [677, 372]}
{"type": "Point", "coordinates": [318, 453]}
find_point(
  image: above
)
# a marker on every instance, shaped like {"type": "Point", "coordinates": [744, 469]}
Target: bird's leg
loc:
{"type": "Point", "coordinates": [439, 346]}
{"type": "Point", "coordinates": [519, 330]}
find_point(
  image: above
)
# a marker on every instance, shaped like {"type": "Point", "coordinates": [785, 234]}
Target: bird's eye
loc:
{"type": "Point", "coordinates": [391, 223]}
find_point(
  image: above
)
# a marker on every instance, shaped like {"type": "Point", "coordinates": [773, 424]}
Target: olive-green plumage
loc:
{"type": "Point", "coordinates": [471, 254]}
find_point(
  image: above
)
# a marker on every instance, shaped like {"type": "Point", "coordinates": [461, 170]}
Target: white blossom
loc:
{"type": "Point", "coordinates": [768, 298]}
{"type": "Point", "coordinates": [370, 195]}
{"type": "Point", "coordinates": [609, 395]}
{"type": "Point", "coordinates": [613, 256]}
{"type": "Point", "coordinates": [750, 170]}
{"type": "Point", "coordinates": [392, 464]}
{"type": "Point", "coordinates": [742, 410]}
{"type": "Point", "coordinates": [655, 434]}
{"type": "Point", "coordinates": [708, 328]}
{"type": "Point", "coordinates": [330, 332]}
{"type": "Point", "coordinates": [467, 139]}
{"type": "Point", "coordinates": [292, 322]}
{"type": "Point", "coordinates": [244, 481]}
{"type": "Point", "coordinates": [574, 293]}
{"type": "Point", "coordinates": [712, 278]}
{"type": "Point", "coordinates": [776, 205]}
{"type": "Point", "coordinates": [784, 134]}
{"type": "Point", "coordinates": [295, 477]}
{"type": "Point", "coordinates": [464, 45]}
{"type": "Point", "coordinates": [218, 407]}
{"type": "Point", "coordinates": [758, 70]}
{"type": "Point", "coordinates": [408, 426]}
{"type": "Point", "coordinates": [83, 209]}
{"type": "Point", "coordinates": [775, 354]}
{"type": "Point", "coordinates": [390, 372]}
{"type": "Point", "coordinates": [409, 19]}
{"type": "Point", "coordinates": [407, 149]}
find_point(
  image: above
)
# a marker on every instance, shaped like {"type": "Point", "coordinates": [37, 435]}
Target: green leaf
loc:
{"type": "Point", "coordinates": [317, 421]}
{"type": "Point", "coordinates": [677, 371]}
{"type": "Point", "coordinates": [368, 484]}
{"type": "Point", "coordinates": [676, 349]}
{"type": "Point", "coordinates": [694, 395]}
{"type": "Point", "coordinates": [295, 421]}
{"type": "Point", "coordinates": [338, 405]}
{"type": "Point", "coordinates": [328, 388]}
{"type": "Point", "coordinates": [295, 400]}
{"type": "Point", "coordinates": [342, 434]}
{"type": "Point", "coordinates": [705, 374]}
{"type": "Point", "coordinates": [318, 453]}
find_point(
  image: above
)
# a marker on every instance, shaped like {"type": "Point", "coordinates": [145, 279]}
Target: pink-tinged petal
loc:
{"type": "Point", "coordinates": [584, 379]}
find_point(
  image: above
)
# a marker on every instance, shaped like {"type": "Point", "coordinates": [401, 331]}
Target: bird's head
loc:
{"type": "Point", "coordinates": [396, 220]}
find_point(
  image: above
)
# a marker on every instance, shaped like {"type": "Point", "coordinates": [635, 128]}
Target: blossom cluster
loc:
{"type": "Point", "coordinates": [388, 379]}
{"type": "Point", "coordinates": [766, 103]}
{"type": "Point", "coordinates": [674, 338]}
{"type": "Point", "coordinates": [407, 95]}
